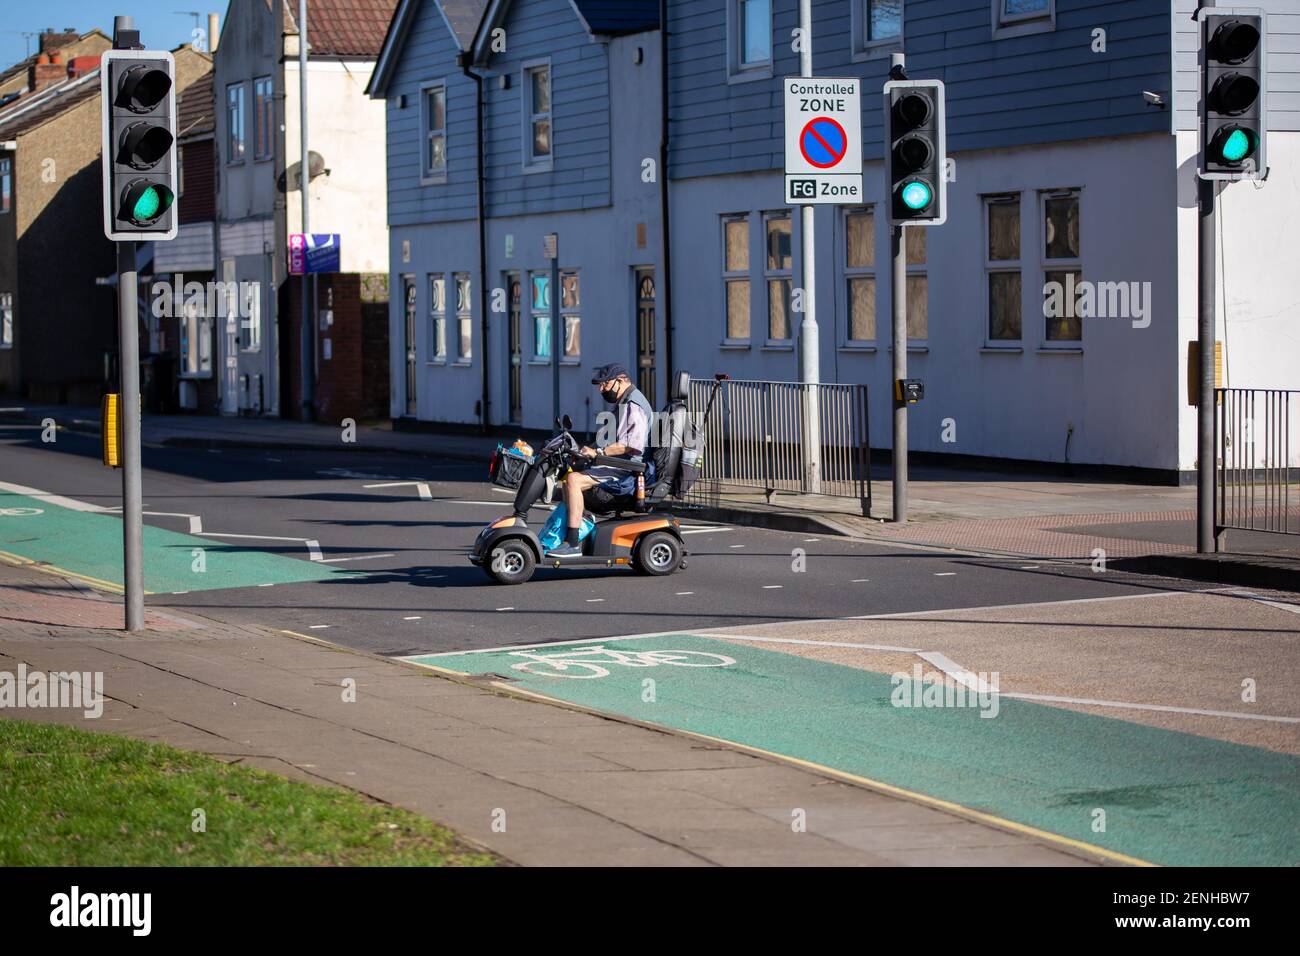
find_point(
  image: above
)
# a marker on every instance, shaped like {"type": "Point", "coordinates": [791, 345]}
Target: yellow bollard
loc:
{"type": "Point", "coordinates": [110, 416]}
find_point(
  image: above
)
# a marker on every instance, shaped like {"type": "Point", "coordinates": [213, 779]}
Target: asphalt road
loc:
{"type": "Point", "coordinates": [415, 592]}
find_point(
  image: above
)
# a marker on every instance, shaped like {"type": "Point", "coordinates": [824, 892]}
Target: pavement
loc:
{"type": "Point", "coordinates": [1150, 527]}
{"type": "Point", "coordinates": [538, 783]}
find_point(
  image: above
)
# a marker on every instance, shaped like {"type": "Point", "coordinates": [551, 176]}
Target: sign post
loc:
{"type": "Point", "coordinates": [823, 165]}
{"type": "Point", "coordinates": [551, 251]}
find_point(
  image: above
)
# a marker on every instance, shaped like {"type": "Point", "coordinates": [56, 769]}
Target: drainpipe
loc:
{"type": "Point", "coordinates": [664, 221]}
{"type": "Point", "coordinates": [485, 404]}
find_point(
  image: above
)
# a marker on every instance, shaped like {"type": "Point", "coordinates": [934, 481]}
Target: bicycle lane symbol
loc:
{"type": "Point", "coordinates": [595, 661]}
{"type": "Point", "coordinates": [21, 512]}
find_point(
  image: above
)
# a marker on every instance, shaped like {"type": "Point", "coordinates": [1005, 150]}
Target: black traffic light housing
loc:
{"type": "Point", "coordinates": [916, 152]}
{"type": "Point", "coordinates": [138, 107]}
{"type": "Point", "coordinates": [1232, 93]}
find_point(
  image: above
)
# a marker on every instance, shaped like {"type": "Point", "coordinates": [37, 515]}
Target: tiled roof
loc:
{"type": "Point", "coordinates": [37, 109]}
{"type": "Point", "coordinates": [343, 27]}
{"type": "Point", "coordinates": [619, 16]}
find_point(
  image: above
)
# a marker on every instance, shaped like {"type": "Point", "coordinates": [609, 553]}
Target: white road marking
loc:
{"type": "Point", "coordinates": [705, 530]}
{"type": "Point", "coordinates": [860, 580]}
{"type": "Point", "coordinates": [317, 627]}
{"type": "Point", "coordinates": [413, 618]}
{"type": "Point", "coordinates": [313, 546]}
{"type": "Point", "coordinates": [684, 593]}
{"type": "Point", "coordinates": [359, 557]}
{"type": "Point", "coordinates": [595, 600]}
{"type": "Point", "coordinates": [70, 503]}
{"type": "Point", "coordinates": [1005, 607]}
{"type": "Point", "coordinates": [956, 671]}
{"type": "Point", "coordinates": [799, 640]}
{"type": "Point", "coordinates": [421, 486]}
{"type": "Point", "coordinates": [944, 574]}
{"type": "Point", "coordinates": [266, 585]}
{"type": "Point", "coordinates": [505, 609]}
{"type": "Point", "coordinates": [1030, 567]}
{"type": "Point", "coordinates": [772, 587]}
{"type": "Point", "coordinates": [502, 491]}
{"type": "Point", "coordinates": [736, 546]}
{"type": "Point", "coordinates": [1122, 705]}
{"type": "Point", "coordinates": [1251, 595]}
{"type": "Point", "coordinates": [313, 549]}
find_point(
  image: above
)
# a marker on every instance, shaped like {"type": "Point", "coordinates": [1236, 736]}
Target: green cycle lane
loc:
{"type": "Point", "coordinates": [1169, 797]}
{"type": "Point", "coordinates": [89, 544]}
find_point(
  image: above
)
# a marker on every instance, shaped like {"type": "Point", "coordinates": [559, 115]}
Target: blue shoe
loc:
{"type": "Point", "coordinates": [565, 550]}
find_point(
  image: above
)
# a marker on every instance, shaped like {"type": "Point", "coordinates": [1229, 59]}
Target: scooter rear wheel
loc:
{"type": "Point", "coordinates": [657, 553]}
{"type": "Point", "coordinates": [510, 562]}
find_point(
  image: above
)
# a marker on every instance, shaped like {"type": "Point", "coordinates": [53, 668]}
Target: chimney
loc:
{"type": "Point", "coordinates": [44, 73]}
{"type": "Point", "coordinates": [52, 40]}
{"type": "Point", "coordinates": [214, 33]}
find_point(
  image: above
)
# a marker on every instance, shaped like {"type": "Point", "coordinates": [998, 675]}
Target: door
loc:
{"type": "Point", "coordinates": [645, 334]}
{"type": "Point", "coordinates": [515, 285]}
{"type": "Point", "coordinates": [408, 342]}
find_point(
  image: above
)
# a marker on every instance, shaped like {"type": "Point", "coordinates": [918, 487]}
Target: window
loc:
{"type": "Point", "coordinates": [776, 271]}
{"type": "Point", "coordinates": [735, 277]}
{"type": "Point", "coordinates": [6, 185]}
{"type": "Point", "coordinates": [860, 275]}
{"type": "Point", "coordinates": [438, 316]}
{"type": "Point", "coordinates": [196, 341]}
{"type": "Point", "coordinates": [264, 117]}
{"type": "Point", "coordinates": [434, 120]}
{"type": "Point", "coordinates": [1013, 18]}
{"type": "Point", "coordinates": [1002, 266]}
{"type": "Point", "coordinates": [464, 318]}
{"type": "Point", "coordinates": [751, 37]}
{"type": "Point", "coordinates": [235, 123]}
{"type": "Point", "coordinates": [918, 289]}
{"type": "Point", "coordinates": [1062, 270]}
{"type": "Point", "coordinates": [539, 284]}
{"type": "Point", "coordinates": [569, 314]}
{"type": "Point", "coordinates": [6, 320]}
{"type": "Point", "coordinates": [877, 27]}
{"type": "Point", "coordinates": [251, 304]}
{"type": "Point", "coordinates": [537, 116]}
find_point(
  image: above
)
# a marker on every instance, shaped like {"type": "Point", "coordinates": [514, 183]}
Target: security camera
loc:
{"type": "Point", "coordinates": [1153, 99]}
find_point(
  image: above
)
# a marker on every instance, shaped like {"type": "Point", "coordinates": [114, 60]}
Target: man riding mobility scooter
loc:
{"type": "Point", "coordinates": [628, 531]}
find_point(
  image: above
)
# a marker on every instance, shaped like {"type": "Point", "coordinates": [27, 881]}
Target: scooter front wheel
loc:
{"type": "Point", "coordinates": [657, 553]}
{"type": "Point", "coordinates": [510, 562]}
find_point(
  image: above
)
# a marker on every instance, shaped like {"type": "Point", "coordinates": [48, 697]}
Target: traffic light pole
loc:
{"type": "Point", "coordinates": [1206, 405]}
{"type": "Point", "coordinates": [128, 339]}
{"type": "Point", "coordinates": [810, 351]}
{"type": "Point", "coordinates": [307, 350]}
{"type": "Point", "coordinates": [898, 289]}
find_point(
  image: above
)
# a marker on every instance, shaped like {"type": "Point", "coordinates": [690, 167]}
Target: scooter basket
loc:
{"type": "Point", "coordinates": [508, 467]}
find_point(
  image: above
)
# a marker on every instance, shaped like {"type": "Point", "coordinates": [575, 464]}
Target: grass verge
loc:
{"type": "Point", "coordinates": [73, 798]}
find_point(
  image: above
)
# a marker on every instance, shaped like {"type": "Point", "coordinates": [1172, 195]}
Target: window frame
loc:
{"type": "Point", "coordinates": [204, 326]}
{"type": "Point", "coordinates": [736, 275]}
{"type": "Point", "coordinates": [464, 316]}
{"type": "Point", "coordinates": [545, 312]}
{"type": "Point", "coordinates": [737, 70]}
{"type": "Point", "coordinates": [771, 275]}
{"type": "Point", "coordinates": [1046, 265]}
{"type": "Point", "coordinates": [258, 117]}
{"type": "Point", "coordinates": [919, 270]}
{"type": "Point", "coordinates": [437, 335]}
{"type": "Point", "coordinates": [6, 185]}
{"type": "Point", "coordinates": [6, 320]}
{"type": "Point", "coordinates": [1006, 26]}
{"type": "Point", "coordinates": [428, 175]}
{"type": "Point", "coordinates": [848, 273]}
{"type": "Point", "coordinates": [860, 21]}
{"type": "Point", "coordinates": [531, 163]}
{"type": "Point", "coordinates": [1002, 266]}
{"type": "Point", "coordinates": [236, 107]}
{"type": "Point", "coordinates": [568, 312]}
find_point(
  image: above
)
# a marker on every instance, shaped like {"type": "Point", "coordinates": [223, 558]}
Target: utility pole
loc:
{"type": "Point", "coordinates": [551, 250]}
{"type": "Point", "coordinates": [307, 351]}
{"type": "Point", "coordinates": [810, 352]}
{"type": "Point", "coordinates": [898, 289]}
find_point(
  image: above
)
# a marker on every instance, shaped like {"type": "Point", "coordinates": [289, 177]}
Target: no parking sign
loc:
{"type": "Point", "coordinates": [823, 140]}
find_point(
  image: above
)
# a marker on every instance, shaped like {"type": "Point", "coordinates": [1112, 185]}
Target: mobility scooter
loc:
{"type": "Point", "coordinates": [628, 532]}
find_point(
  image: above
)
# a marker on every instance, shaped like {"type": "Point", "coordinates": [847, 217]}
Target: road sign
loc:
{"type": "Point", "coordinates": [823, 140]}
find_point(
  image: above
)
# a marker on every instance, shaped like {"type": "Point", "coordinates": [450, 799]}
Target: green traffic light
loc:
{"type": "Point", "coordinates": [146, 207]}
{"type": "Point", "coordinates": [1237, 146]}
{"type": "Point", "coordinates": [916, 195]}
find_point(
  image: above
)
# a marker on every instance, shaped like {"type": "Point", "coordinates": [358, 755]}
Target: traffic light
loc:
{"type": "Point", "coordinates": [1232, 92]}
{"type": "Point", "coordinates": [138, 105]}
{"type": "Point", "coordinates": [916, 152]}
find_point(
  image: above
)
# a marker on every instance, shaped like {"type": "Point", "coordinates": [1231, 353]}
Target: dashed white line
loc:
{"type": "Point", "coordinates": [772, 587]}
{"type": "Point", "coordinates": [944, 574]}
{"type": "Point", "coordinates": [595, 600]}
{"type": "Point", "coordinates": [317, 627]}
{"type": "Point", "coordinates": [505, 609]}
{"type": "Point", "coordinates": [358, 557]}
{"type": "Point", "coordinates": [684, 593]}
{"type": "Point", "coordinates": [860, 580]}
{"type": "Point", "coordinates": [421, 486]}
{"type": "Point", "coordinates": [413, 618]}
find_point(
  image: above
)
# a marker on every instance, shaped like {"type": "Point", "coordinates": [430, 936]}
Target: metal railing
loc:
{"type": "Point", "coordinates": [758, 434]}
{"type": "Point", "coordinates": [1258, 440]}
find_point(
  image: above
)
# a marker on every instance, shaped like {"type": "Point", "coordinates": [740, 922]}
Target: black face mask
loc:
{"type": "Point", "coordinates": [609, 394]}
